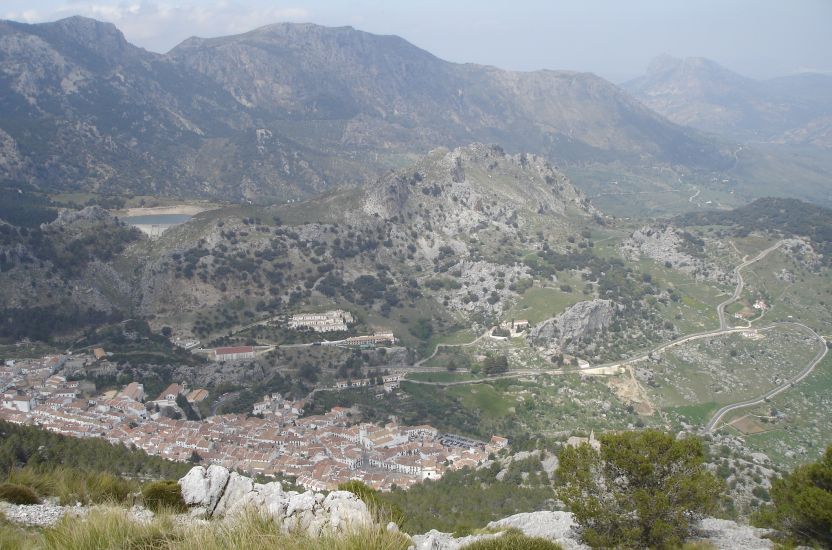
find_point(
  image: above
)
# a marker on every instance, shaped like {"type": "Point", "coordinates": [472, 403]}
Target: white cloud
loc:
{"type": "Point", "coordinates": [161, 25]}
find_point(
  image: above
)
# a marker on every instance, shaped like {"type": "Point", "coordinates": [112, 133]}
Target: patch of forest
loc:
{"type": "Point", "coordinates": [786, 216]}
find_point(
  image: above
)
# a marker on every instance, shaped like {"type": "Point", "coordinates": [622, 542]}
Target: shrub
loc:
{"type": "Point", "coordinates": [802, 503]}
{"type": "Point", "coordinates": [641, 489]}
{"type": "Point", "coordinates": [513, 541]}
{"type": "Point", "coordinates": [164, 495]}
{"type": "Point", "coordinates": [18, 494]}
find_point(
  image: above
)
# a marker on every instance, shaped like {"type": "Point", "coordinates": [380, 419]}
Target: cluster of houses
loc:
{"type": "Point", "coordinates": [321, 451]}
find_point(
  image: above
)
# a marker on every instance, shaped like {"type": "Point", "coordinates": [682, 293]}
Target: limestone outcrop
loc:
{"type": "Point", "coordinates": [216, 492]}
{"type": "Point", "coordinates": [576, 324]}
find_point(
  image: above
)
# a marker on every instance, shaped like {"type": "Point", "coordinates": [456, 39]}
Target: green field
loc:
{"type": "Point", "coordinates": [800, 428]}
{"type": "Point", "coordinates": [727, 369]}
{"type": "Point", "coordinates": [484, 398]}
{"type": "Point", "coordinates": [440, 376]}
{"type": "Point", "coordinates": [539, 304]}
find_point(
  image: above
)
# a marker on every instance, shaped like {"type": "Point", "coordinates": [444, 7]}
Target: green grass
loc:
{"type": "Point", "coordinates": [803, 430]}
{"type": "Point", "coordinates": [484, 398]}
{"type": "Point", "coordinates": [440, 376]}
{"type": "Point", "coordinates": [111, 529]}
{"type": "Point", "coordinates": [695, 414]}
{"type": "Point", "coordinates": [539, 304]}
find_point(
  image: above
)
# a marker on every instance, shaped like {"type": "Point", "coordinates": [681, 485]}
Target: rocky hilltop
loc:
{"type": "Point", "coordinates": [575, 325]}
{"type": "Point", "coordinates": [446, 232]}
{"type": "Point", "coordinates": [288, 110]}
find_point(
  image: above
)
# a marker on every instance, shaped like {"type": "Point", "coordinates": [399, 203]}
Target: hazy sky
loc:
{"type": "Point", "coordinates": [613, 38]}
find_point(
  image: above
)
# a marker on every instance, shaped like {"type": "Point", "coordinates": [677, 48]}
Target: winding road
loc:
{"type": "Point", "coordinates": [720, 309]}
{"type": "Point", "coordinates": [720, 414]}
{"type": "Point", "coordinates": [722, 330]}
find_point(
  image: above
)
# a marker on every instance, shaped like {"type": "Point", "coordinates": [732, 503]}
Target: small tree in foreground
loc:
{"type": "Point", "coordinates": [641, 489]}
{"type": "Point", "coordinates": [802, 503]}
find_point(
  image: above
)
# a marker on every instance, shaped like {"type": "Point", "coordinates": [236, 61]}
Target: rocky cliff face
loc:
{"type": "Point", "coordinates": [575, 325]}
{"type": "Point", "coordinates": [288, 110]}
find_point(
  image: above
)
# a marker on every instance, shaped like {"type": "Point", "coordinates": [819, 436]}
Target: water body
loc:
{"type": "Point", "coordinates": [156, 224]}
{"type": "Point", "coordinates": [157, 219]}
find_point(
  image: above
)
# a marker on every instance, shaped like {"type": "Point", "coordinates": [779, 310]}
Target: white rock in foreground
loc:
{"type": "Point", "coordinates": [436, 540]}
{"type": "Point", "coordinates": [728, 535]}
{"type": "Point", "coordinates": [555, 526]}
{"type": "Point", "coordinates": [203, 487]}
{"type": "Point", "coordinates": [218, 493]}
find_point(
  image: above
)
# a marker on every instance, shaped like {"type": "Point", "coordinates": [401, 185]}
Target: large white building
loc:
{"type": "Point", "coordinates": [328, 321]}
{"type": "Point", "coordinates": [234, 353]}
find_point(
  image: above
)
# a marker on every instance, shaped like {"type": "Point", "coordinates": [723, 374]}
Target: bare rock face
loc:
{"type": "Point", "coordinates": [436, 540]}
{"type": "Point", "coordinates": [556, 526]}
{"type": "Point", "coordinates": [727, 535]}
{"type": "Point", "coordinates": [215, 492]}
{"type": "Point", "coordinates": [576, 324]}
{"type": "Point", "coordinates": [203, 487]}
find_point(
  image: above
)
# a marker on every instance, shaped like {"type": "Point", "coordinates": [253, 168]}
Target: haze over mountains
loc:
{"type": "Point", "coordinates": [290, 110]}
{"type": "Point", "coordinates": [698, 92]}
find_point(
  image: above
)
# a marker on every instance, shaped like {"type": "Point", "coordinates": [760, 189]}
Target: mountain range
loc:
{"type": "Point", "coordinates": [700, 93]}
{"type": "Point", "coordinates": [290, 110]}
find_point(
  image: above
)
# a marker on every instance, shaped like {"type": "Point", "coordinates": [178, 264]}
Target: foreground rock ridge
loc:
{"type": "Point", "coordinates": [216, 492]}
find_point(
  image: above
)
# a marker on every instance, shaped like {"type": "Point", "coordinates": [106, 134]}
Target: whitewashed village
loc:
{"type": "Point", "coordinates": [274, 439]}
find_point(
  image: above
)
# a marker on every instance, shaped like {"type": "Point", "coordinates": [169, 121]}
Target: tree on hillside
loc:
{"type": "Point", "coordinates": [186, 407]}
{"type": "Point", "coordinates": [802, 503]}
{"type": "Point", "coordinates": [640, 490]}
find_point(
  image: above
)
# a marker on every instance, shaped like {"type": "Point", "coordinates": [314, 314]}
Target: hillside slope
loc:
{"type": "Point", "coordinates": [288, 110]}
{"type": "Point", "coordinates": [701, 93]}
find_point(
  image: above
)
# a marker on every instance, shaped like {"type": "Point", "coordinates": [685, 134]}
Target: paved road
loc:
{"type": "Point", "coordinates": [707, 334]}
{"type": "Point", "coordinates": [440, 346]}
{"type": "Point", "coordinates": [720, 414]}
{"type": "Point", "coordinates": [720, 309]}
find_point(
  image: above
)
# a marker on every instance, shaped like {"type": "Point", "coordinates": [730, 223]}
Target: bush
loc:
{"type": "Point", "coordinates": [164, 495]}
{"type": "Point", "coordinates": [641, 489]}
{"type": "Point", "coordinates": [18, 494]}
{"type": "Point", "coordinates": [802, 503]}
{"type": "Point", "coordinates": [513, 541]}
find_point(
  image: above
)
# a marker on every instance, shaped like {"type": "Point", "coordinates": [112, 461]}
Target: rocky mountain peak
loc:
{"type": "Point", "coordinates": [482, 180]}
{"type": "Point", "coordinates": [84, 34]}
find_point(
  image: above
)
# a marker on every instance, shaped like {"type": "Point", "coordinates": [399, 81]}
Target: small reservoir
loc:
{"type": "Point", "coordinates": [155, 224]}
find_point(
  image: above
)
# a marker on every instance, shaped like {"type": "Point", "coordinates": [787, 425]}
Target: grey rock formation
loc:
{"type": "Point", "coordinates": [728, 535]}
{"type": "Point", "coordinates": [556, 526]}
{"type": "Point", "coordinates": [576, 324]}
{"type": "Point", "coordinates": [215, 492]}
{"type": "Point", "coordinates": [436, 540]}
{"type": "Point", "coordinates": [202, 488]}
{"type": "Point", "coordinates": [670, 246]}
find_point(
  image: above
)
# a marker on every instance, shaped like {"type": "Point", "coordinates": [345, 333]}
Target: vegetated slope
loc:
{"type": "Point", "coordinates": [432, 240]}
{"type": "Point", "coordinates": [785, 216]}
{"type": "Point", "coordinates": [443, 238]}
{"type": "Point", "coordinates": [700, 93]}
{"type": "Point", "coordinates": [58, 277]}
{"type": "Point", "coordinates": [22, 446]}
{"type": "Point", "coordinates": [288, 110]}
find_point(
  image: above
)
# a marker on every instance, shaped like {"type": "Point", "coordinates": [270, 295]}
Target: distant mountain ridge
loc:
{"type": "Point", "coordinates": [699, 92]}
{"type": "Point", "coordinates": [288, 110]}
